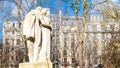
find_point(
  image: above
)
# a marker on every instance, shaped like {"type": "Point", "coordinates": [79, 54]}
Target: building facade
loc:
{"type": "Point", "coordinates": [11, 53]}
{"type": "Point", "coordinates": [64, 48]}
{"type": "Point", "coordinates": [98, 30]}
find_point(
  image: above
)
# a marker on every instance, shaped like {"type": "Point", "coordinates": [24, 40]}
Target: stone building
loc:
{"type": "Point", "coordinates": [100, 30]}
{"type": "Point", "coordinates": [11, 55]}
{"type": "Point", "coordinates": [63, 40]}
{"type": "Point", "coordinates": [96, 36]}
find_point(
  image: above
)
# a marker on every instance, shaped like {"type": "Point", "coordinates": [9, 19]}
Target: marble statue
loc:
{"type": "Point", "coordinates": [36, 30]}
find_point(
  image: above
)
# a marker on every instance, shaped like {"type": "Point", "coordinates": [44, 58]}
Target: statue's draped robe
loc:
{"type": "Point", "coordinates": [39, 48]}
{"type": "Point", "coordinates": [45, 50]}
{"type": "Point", "coordinates": [28, 31]}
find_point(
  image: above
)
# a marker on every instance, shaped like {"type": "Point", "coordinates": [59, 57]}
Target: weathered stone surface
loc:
{"type": "Point", "coordinates": [36, 65]}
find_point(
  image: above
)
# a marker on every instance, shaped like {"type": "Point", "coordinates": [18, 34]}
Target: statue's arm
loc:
{"type": "Point", "coordinates": [47, 26]}
{"type": "Point", "coordinates": [45, 22]}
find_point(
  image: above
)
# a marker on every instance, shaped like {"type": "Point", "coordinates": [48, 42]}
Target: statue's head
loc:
{"type": "Point", "coordinates": [39, 8]}
{"type": "Point", "coordinates": [44, 11]}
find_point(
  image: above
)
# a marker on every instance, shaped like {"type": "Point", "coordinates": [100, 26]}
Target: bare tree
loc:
{"type": "Point", "coordinates": [111, 55]}
{"type": "Point", "coordinates": [83, 7]}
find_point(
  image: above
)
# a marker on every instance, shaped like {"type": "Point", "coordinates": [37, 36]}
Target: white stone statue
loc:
{"type": "Point", "coordinates": [36, 29]}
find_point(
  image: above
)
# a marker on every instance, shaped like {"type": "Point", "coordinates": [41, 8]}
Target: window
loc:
{"type": "Point", "coordinates": [65, 52]}
{"type": "Point", "coordinates": [12, 41]}
{"type": "Point", "coordinates": [13, 24]}
{"type": "Point", "coordinates": [94, 28]}
{"type": "Point", "coordinates": [53, 25]}
{"type": "Point", "coordinates": [73, 60]}
{"type": "Point", "coordinates": [13, 32]}
{"type": "Point", "coordinates": [7, 42]}
{"type": "Point", "coordinates": [18, 41]}
{"type": "Point", "coordinates": [65, 60]}
{"type": "Point", "coordinates": [19, 25]}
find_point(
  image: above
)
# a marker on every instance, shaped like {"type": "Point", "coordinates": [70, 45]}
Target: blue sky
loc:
{"type": "Point", "coordinates": [54, 5]}
{"type": "Point", "coordinates": [8, 7]}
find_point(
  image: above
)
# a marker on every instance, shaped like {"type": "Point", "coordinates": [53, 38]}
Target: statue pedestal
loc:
{"type": "Point", "coordinates": [36, 65]}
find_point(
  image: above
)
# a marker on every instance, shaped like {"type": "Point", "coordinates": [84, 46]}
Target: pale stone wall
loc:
{"type": "Point", "coordinates": [35, 65]}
